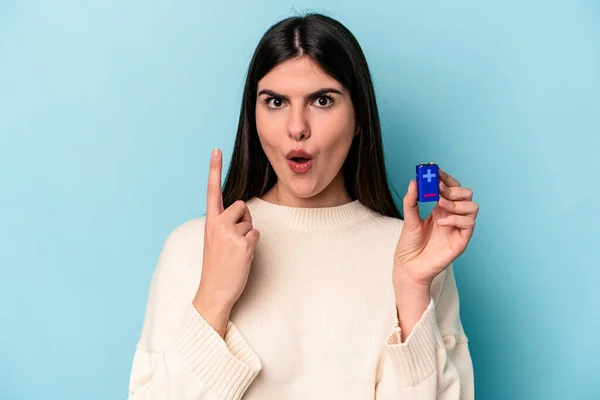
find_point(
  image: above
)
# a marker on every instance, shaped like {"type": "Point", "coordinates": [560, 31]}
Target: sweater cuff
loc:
{"type": "Point", "coordinates": [228, 366]}
{"type": "Point", "coordinates": [415, 358]}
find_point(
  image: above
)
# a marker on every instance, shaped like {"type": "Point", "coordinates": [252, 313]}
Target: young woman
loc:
{"type": "Point", "coordinates": [303, 280]}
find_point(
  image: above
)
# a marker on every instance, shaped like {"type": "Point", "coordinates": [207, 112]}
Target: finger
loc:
{"type": "Point", "coordinates": [237, 212]}
{"type": "Point", "coordinates": [455, 193]}
{"type": "Point", "coordinates": [246, 216]}
{"type": "Point", "coordinates": [253, 236]}
{"type": "Point", "coordinates": [459, 207]}
{"type": "Point", "coordinates": [447, 178]}
{"type": "Point", "coordinates": [214, 194]}
{"type": "Point", "coordinates": [243, 228]}
{"type": "Point", "coordinates": [458, 221]}
{"type": "Point", "coordinates": [411, 206]}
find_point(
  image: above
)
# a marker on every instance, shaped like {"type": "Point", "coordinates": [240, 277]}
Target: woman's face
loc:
{"type": "Point", "coordinates": [300, 107]}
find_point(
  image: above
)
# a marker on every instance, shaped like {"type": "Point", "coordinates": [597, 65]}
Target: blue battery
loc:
{"type": "Point", "coordinates": [428, 182]}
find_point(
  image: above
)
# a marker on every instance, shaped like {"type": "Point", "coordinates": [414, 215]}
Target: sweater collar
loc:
{"type": "Point", "coordinates": [309, 218]}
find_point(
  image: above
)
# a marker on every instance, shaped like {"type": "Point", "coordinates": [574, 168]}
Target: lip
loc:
{"type": "Point", "coordinates": [300, 168]}
{"type": "Point", "coordinates": [298, 153]}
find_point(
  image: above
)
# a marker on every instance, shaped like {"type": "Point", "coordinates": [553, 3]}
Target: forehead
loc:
{"type": "Point", "coordinates": [297, 75]}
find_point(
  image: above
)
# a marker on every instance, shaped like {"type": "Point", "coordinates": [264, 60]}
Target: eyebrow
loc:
{"type": "Point", "coordinates": [312, 95]}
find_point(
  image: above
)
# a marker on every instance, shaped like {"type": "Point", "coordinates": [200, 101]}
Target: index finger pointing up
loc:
{"type": "Point", "coordinates": [214, 194]}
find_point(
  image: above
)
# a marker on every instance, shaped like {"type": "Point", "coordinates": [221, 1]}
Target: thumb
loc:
{"type": "Point", "coordinates": [411, 207]}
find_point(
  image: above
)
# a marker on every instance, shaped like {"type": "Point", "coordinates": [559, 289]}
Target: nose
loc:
{"type": "Point", "coordinates": [298, 126]}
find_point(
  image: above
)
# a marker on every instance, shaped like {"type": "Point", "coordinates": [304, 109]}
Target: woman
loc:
{"type": "Point", "coordinates": [302, 281]}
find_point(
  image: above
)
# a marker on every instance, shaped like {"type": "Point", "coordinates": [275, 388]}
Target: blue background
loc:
{"type": "Point", "coordinates": [109, 110]}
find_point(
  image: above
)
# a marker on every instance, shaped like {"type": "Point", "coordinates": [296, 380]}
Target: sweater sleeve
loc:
{"type": "Point", "coordinates": [179, 355]}
{"type": "Point", "coordinates": [434, 362]}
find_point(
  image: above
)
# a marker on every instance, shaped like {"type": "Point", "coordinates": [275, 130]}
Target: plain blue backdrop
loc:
{"type": "Point", "coordinates": [109, 110]}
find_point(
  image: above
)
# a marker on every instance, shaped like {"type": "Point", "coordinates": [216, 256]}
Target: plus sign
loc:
{"type": "Point", "coordinates": [429, 175]}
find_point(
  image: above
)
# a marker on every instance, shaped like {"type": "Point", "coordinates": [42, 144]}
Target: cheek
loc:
{"type": "Point", "coordinates": [269, 121]}
{"type": "Point", "coordinates": [261, 119]}
{"type": "Point", "coordinates": [268, 129]}
{"type": "Point", "coordinates": [340, 132]}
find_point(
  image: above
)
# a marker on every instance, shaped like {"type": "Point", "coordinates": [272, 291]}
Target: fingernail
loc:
{"type": "Point", "coordinates": [215, 154]}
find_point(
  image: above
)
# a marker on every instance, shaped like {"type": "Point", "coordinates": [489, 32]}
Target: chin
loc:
{"type": "Point", "coordinates": [305, 194]}
{"type": "Point", "coordinates": [303, 190]}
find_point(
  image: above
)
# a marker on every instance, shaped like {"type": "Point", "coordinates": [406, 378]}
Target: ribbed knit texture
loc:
{"type": "Point", "coordinates": [317, 319]}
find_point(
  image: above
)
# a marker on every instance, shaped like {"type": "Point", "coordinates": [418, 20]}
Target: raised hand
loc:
{"type": "Point", "coordinates": [427, 247]}
{"type": "Point", "coordinates": [229, 243]}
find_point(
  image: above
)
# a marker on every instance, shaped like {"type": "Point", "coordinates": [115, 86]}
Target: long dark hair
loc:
{"type": "Point", "coordinates": [335, 49]}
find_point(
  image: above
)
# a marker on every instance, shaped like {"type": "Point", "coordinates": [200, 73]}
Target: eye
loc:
{"type": "Point", "coordinates": [324, 101]}
{"type": "Point", "coordinates": [274, 102]}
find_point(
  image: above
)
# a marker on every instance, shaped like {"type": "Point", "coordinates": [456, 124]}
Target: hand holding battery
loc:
{"type": "Point", "coordinates": [427, 247]}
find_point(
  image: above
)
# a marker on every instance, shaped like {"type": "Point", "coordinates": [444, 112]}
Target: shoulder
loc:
{"type": "Point", "coordinates": [385, 225]}
{"type": "Point", "coordinates": [188, 231]}
{"type": "Point", "coordinates": [391, 222]}
{"type": "Point", "coordinates": [186, 241]}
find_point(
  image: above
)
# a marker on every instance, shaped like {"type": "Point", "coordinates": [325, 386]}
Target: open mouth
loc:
{"type": "Point", "coordinates": [300, 160]}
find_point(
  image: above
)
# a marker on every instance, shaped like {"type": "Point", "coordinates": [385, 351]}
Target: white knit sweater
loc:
{"type": "Point", "coordinates": [317, 319]}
